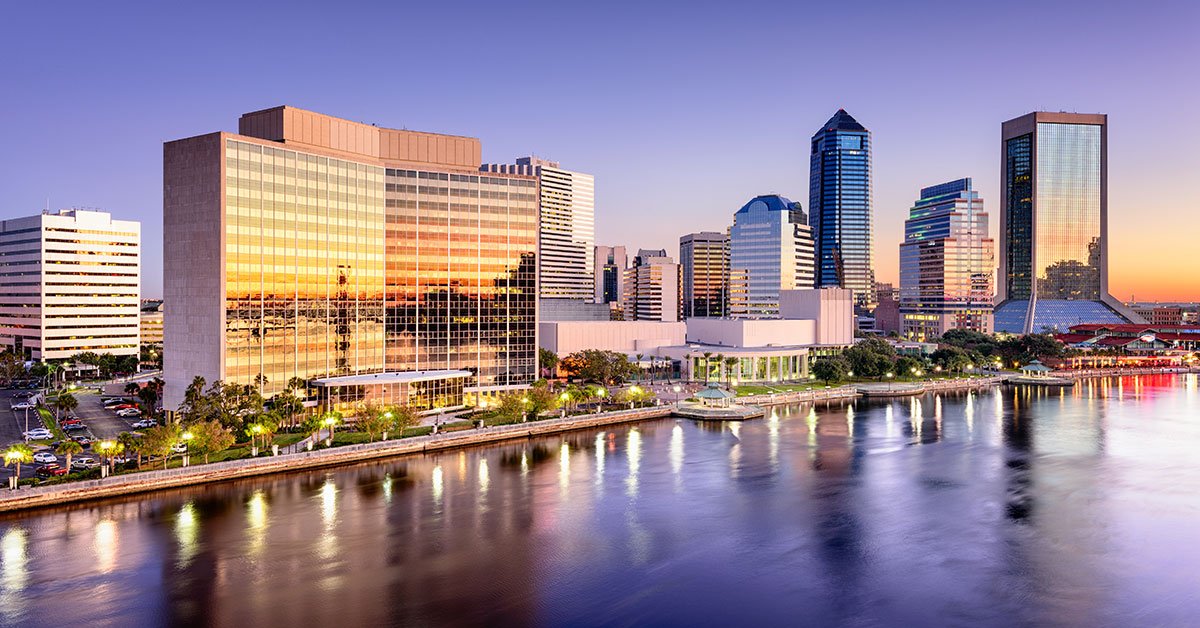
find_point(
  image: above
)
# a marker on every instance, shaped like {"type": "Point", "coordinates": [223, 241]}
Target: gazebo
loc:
{"type": "Point", "coordinates": [715, 397]}
{"type": "Point", "coordinates": [1036, 368]}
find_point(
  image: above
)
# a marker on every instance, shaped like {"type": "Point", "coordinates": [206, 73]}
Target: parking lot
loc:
{"type": "Point", "coordinates": [101, 423]}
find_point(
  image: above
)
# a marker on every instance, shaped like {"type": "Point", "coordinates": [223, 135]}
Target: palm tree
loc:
{"type": "Point", "coordinates": [639, 364]}
{"type": "Point", "coordinates": [68, 448]}
{"type": "Point", "coordinates": [720, 366]}
{"type": "Point", "coordinates": [16, 455]}
{"type": "Point", "coordinates": [65, 401]}
{"type": "Point", "coordinates": [132, 388]}
{"type": "Point", "coordinates": [731, 363]}
{"type": "Point", "coordinates": [132, 444]}
{"type": "Point", "coordinates": [707, 357]}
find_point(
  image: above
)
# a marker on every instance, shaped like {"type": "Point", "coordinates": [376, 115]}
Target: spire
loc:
{"type": "Point", "coordinates": [842, 121]}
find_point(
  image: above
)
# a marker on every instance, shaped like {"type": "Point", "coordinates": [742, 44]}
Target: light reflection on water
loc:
{"type": "Point", "coordinates": [1046, 506]}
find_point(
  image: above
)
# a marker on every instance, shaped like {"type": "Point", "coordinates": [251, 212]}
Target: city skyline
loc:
{"type": "Point", "coordinates": [610, 103]}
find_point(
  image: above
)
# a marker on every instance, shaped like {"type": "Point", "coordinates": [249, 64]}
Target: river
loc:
{"type": "Point", "coordinates": [1011, 506]}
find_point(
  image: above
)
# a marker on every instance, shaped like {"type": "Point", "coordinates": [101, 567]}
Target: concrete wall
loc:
{"type": "Point", "coordinates": [629, 337]}
{"type": "Point", "coordinates": [745, 333]}
{"type": "Point", "coordinates": [193, 263]}
{"type": "Point", "coordinates": [831, 308]}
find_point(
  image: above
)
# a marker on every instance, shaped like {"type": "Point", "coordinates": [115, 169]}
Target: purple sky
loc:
{"type": "Point", "coordinates": [682, 111]}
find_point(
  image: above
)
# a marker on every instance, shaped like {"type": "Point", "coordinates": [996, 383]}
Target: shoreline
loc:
{"type": "Point", "coordinates": [30, 498]}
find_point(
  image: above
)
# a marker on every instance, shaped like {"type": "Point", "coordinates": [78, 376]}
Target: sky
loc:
{"type": "Point", "coordinates": [682, 111]}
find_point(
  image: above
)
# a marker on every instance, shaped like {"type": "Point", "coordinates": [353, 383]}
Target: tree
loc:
{"type": "Point", "coordinates": [65, 401]}
{"type": "Point", "coordinates": [873, 357]}
{"type": "Point", "coordinates": [131, 443]}
{"type": "Point", "coordinates": [831, 369]}
{"type": "Point", "coordinates": [548, 361]}
{"type": "Point", "coordinates": [372, 419]}
{"type": "Point", "coordinates": [159, 441]}
{"type": "Point", "coordinates": [540, 400]}
{"type": "Point", "coordinates": [402, 417]}
{"type": "Point", "coordinates": [17, 454]}
{"type": "Point", "coordinates": [908, 366]}
{"type": "Point", "coordinates": [132, 388]}
{"type": "Point", "coordinates": [210, 437]}
{"type": "Point", "coordinates": [731, 365]}
{"type": "Point", "coordinates": [68, 448]}
{"type": "Point", "coordinates": [707, 357]}
{"type": "Point", "coordinates": [605, 367]}
{"type": "Point", "coordinates": [950, 358]}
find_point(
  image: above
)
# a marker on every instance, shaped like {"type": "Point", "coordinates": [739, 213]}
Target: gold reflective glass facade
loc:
{"type": "Point", "coordinates": [461, 269]}
{"type": "Point", "coordinates": [304, 266]}
{"type": "Point", "coordinates": [1068, 245]}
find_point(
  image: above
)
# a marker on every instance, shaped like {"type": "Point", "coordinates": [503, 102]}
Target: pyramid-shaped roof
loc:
{"type": "Point", "coordinates": [842, 121]}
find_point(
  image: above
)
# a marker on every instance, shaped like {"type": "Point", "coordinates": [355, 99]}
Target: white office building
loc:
{"type": "Point", "coordinates": [566, 226]}
{"type": "Point", "coordinates": [72, 283]}
{"type": "Point", "coordinates": [771, 249]}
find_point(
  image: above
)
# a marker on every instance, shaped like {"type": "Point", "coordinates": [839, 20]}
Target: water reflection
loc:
{"type": "Point", "coordinates": [1060, 507]}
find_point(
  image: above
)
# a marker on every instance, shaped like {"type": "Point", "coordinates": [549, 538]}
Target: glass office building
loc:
{"type": "Point", "coordinates": [704, 262]}
{"type": "Point", "coordinates": [770, 249]}
{"type": "Point", "coordinates": [839, 200]}
{"type": "Point", "coordinates": [946, 263]}
{"type": "Point", "coordinates": [373, 264]}
{"type": "Point", "coordinates": [1053, 258]}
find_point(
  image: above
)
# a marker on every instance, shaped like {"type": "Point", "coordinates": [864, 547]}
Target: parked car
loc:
{"type": "Point", "coordinates": [21, 405]}
{"type": "Point", "coordinates": [40, 433]}
{"type": "Point", "coordinates": [83, 464]}
{"type": "Point", "coordinates": [179, 448]}
{"type": "Point", "coordinates": [67, 422]}
{"type": "Point", "coordinates": [82, 440]}
{"type": "Point", "coordinates": [144, 423]}
{"type": "Point", "coordinates": [51, 470]}
{"type": "Point", "coordinates": [124, 406]}
{"type": "Point", "coordinates": [129, 412]}
{"type": "Point", "coordinates": [74, 428]}
{"type": "Point", "coordinates": [45, 457]}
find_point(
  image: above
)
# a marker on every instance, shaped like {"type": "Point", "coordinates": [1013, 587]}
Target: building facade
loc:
{"type": "Point", "coordinates": [704, 263]}
{"type": "Point", "coordinates": [839, 200]}
{"type": "Point", "coordinates": [71, 283]}
{"type": "Point", "coordinates": [566, 227]}
{"type": "Point", "coordinates": [151, 323]}
{"type": "Point", "coordinates": [652, 288]}
{"type": "Point", "coordinates": [1054, 224]}
{"type": "Point", "coordinates": [946, 263]}
{"type": "Point", "coordinates": [770, 249]}
{"type": "Point", "coordinates": [610, 264]}
{"type": "Point", "coordinates": [311, 247]}
{"type": "Point", "coordinates": [1161, 314]}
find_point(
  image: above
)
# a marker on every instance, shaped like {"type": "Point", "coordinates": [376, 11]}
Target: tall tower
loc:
{"type": "Point", "coordinates": [946, 263]}
{"type": "Point", "coordinates": [1054, 224]}
{"type": "Point", "coordinates": [703, 258]}
{"type": "Point", "coordinates": [839, 199]}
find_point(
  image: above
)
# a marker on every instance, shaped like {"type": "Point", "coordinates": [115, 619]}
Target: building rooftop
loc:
{"type": "Point", "coordinates": [842, 121]}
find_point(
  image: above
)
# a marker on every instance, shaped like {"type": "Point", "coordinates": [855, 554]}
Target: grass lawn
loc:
{"type": "Point", "coordinates": [51, 424]}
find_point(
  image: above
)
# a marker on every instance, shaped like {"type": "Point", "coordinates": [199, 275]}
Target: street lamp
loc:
{"type": "Point", "coordinates": [187, 447]}
{"type": "Point", "coordinates": [634, 391]}
{"type": "Point", "coordinates": [330, 421]}
{"type": "Point", "coordinates": [105, 447]}
{"type": "Point", "coordinates": [525, 410]}
{"type": "Point", "coordinates": [889, 375]}
{"type": "Point", "coordinates": [564, 398]}
{"type": "Point", "coordinates": [255, 430]}
{"type": "Point", "coordinates": [388, 417]}
{"type": "Point", "coordinates": [600, 392]}
{"type": "Point", "coordinates": [10, 457]}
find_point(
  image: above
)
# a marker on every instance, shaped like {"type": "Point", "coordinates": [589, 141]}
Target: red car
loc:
{"type": "Point", "coordinates": [70, 422]}
{"type": "Point", "coordinates": [123, 406]}
{"type": "Point", "coordinates": [52, 469]}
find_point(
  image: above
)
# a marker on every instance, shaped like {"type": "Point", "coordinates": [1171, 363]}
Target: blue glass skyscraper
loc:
{"type": "Point", "coordinates": [839, 201]}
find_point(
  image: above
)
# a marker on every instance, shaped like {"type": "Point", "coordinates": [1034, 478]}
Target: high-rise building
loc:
{"type": "Point", "coordinates": [73, 284]}
{"type": "Point", "coordinates": [652, 288]}
{"type": "Point", "coordinates": [1054, 224]}
{"type": "Point", "coordinates": [152, 322]}
{"type": "Point", "coordinates": [375, 264]}
{"type": "Point", "coordinates": [610, 264]}
{"type": "Point", "coordinates": [839, 199]}
{"type": "Point", "coordinates": [770, 249]}
{"type": "Point", "coordinates": [567, 227]}
{"type": "Point", "coordinates": [946, 263]}
{"type": "Point", "coordinates": [704, 262]}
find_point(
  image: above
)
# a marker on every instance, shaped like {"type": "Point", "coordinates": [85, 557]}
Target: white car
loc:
{"type": "Point", "coordinates": [179, 448]}
{"type": "Point", "coordinates": [83, 464]}
{"type": "Point", "coordinates": [44, 457]}
{"type": "Point", "coordinates": [144, 423]}
{"type": "Point", "coordinates": [24, 405]}
{"type": "Point", "coordinates": [129, 412]}
{"type": "Point", "coordinates": [39, 434]}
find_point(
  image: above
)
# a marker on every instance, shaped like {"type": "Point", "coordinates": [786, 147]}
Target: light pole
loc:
{"type": "Point", "coordinates": [600, 392]}
{"type": "Point", "coordinates": [525, 411]}
{"type": "Point", "coordinates": [187, 447]}
{"type": "Point", "coordinates": [255, 430]}
{"type": "Point", "coordinates": [9, 458]}
{"type": "Point", "coordinates": [388, 417]}
{"type": "Point", "coordinates": [675, 389]}
{"type": "Point", "coordinates": [105, 447]}
{"type": "Point", "coordinates": [330, 421]}
{"type": "Point", "coordinates": [889, 375]}
{"type": "Point", "coordinates": [564, 398]}
{"type": "Point", "coordinates": [635, 391]}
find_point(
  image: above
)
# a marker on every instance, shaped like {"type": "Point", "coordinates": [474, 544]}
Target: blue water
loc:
{"type": "Point", "coordinates": [1009, 507]}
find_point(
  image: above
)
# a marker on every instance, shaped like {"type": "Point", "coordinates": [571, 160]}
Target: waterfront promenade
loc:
{"type": "Point", "coordinates": [144, 481]}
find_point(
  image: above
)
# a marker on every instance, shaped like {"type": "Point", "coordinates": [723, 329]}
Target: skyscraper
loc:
{"type": "Point", "coordinates": [770, 249]}
{"type": "Point", "coordinates": [609, 265]}
{"type": "Point", "coordinates": [73, 284]}
{"type": "Point", "coordinates": [652, 288]}
{"type": "Point", "coordinates": [375, 264]}
{"type": "Point", "coordinates": [1054, 224]}
{"type": "Point", "coordinates": [566, 225]}
{"type": "Point", "coordinates": [704, 263]}
{"type": "Point", "coordinates": [839, 199]}
{"type": "Point", "coordinates": [946, 263]}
